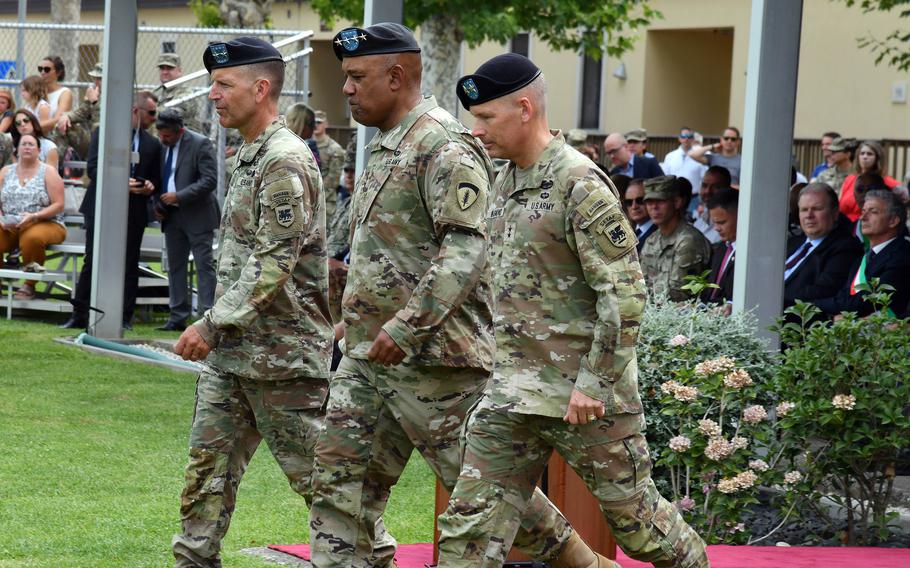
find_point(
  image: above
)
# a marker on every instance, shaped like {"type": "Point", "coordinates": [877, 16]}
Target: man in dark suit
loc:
{"type": "Point", "coordinates": [189, 214]}
{"type": "Point", "coordinates": [818, 262]}
{"type": "Point", "coordinates": [145, 176]}
{"type": "Point", "coordinates": [888, 259]}
{"type": "Point", "coordinates": [626, 163]}
{"type": "Point", "coordinates": [723, 208]}
{"type": "Point", "coordinates": [633, 203]}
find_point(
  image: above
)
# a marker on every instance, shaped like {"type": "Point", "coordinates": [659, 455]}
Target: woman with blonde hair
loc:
{"type": "Point", "coordinates": [60, 98]}
{"type": "Point", "coordinates": [869, 159]}
{"type": "Point", "coordinates": [34, 93]}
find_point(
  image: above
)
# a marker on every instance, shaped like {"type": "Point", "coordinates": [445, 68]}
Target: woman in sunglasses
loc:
{"type": "Point", "coordinates": [7, 106]}
{"type": "Point", "coordinates": [60, 98]}
{"type": "Point", "coordinates": [34, 93]}
{"type": "Point", "coordinates": [25, 122]}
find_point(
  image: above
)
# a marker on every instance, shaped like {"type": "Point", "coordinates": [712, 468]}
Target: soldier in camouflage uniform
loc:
{"type": "Point", "coordinates": [569, 295]}
{"type": "Point", "coordinates": [842, 164]}
{"type": "Point", "coordinates": [333, 158]}
{"type": "Point", "coordinates": [338, 238]}
{"type": "Point", "coordinates": [74, 128]}
{"type": "Point", "coordinates": [418, 344]}
{"type": "Point", "coordinates": [267, 340]}
{"type": "Point", "coordinates": [676, 249]}
{"type": "Point", "coordinates": [193, 111]}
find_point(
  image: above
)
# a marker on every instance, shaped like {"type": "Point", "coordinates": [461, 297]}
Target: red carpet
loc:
{"type": "Point", "coordinates": [417, 555]}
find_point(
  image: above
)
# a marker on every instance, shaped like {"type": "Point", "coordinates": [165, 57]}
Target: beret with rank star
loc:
{"type": "Point", "coordinates": [500, 76]}
{"type": "Point", "coordinates": [239, 51]}
{"type": "Point", "coordinates": [377, 39]}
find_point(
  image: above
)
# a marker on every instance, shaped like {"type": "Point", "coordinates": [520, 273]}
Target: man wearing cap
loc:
{"type": "Point", "coordinates": [677, 249]}
{"type": "Point", "coordinates": [267, 340]}
{"type": "Point", "coordinates": [332, 155]}
{"type": "Point", "coordinates": [417, 308]}
{"type": "Point", "coordinates": [569, 298]}
{"type": "Point", "coordinates": [192, 110]}
{"type": "Point", "coordinates": [638, 142]}
{"type": "Point", "coordinates": [76, 126]}
{"type": "Point", "coordinates": [841, 164]}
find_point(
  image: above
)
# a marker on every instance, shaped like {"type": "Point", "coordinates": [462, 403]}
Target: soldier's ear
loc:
{"type": "Point", "coordinates": [526, 108]}
{"type": "Point", "coordinates": [396, 77]}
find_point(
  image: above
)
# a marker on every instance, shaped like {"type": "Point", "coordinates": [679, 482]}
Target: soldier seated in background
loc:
{"type": "Point", "coordinates": [76, 127]}
{"type": "Point", "coordinates": [677, 249]}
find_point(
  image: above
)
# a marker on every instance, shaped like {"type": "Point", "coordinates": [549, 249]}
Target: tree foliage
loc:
{"type": "Point", "coordinates": [596, 28]}
{"type": "Point", "coordinates": [894, 48]}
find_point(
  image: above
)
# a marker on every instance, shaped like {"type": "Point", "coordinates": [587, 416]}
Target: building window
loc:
{"type": "Point", "coordinates": [168, 47]}
{"type": "Point", "coordinates": [521, 44]}
{"type": "Point", "coordinates": [591, 71]}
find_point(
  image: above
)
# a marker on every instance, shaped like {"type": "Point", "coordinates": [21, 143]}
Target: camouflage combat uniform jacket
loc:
{"type": "Point", "coordinates": [666, 261]}
{"type": "Point", "coordinates": [418, 263]}
{"type": "Point", "coordinates": [332, 155]}
{"type": "Point", "coordinates": [568, 287]}
{"type": "Point", "coordinates": [834, 177]}
{"type": "Point", "coordinates": [271, 318]}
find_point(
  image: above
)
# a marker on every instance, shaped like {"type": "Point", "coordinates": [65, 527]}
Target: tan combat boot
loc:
{"type": "Point", "coordinates": [577, 554]}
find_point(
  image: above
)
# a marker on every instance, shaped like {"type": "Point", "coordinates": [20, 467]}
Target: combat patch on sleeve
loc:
{"type": "Point", "coordinates": [601, 218]}
{"type": "Point", "coordinates": [464, 198]}
{"type": "Point", "coordinates": [283, 202]}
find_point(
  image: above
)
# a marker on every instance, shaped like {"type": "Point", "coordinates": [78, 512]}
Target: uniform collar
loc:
{"type": "Point", "coordinates": [391, 138]}
{"type": "Point", "coordinates": [249, 150]}
{"type": "Point", "coordinates": [540, 170]}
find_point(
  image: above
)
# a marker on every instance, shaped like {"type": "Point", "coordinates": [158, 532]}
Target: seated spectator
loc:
{"type": "Point", "coordinates": [884, 219]}
{"type": "Point", "coordinates": [864, 184]}
{"type": "Point", "coordinates": [724, 153]}
{"type": "Point", "coordinates": [60, 98]}
{"type": "Point", "coordinates": [715, 179]}
{"type": "Point", "coordinates": [76, 126]}
{"type": "Point", "coordinates": [793, 228]}
{"type": "Point", "coordinates": [638, 142]}
{"type": "Point", "coordinates": [31, 202]}
{"type": "Point", "coordinates": [817, 263]}
{"type": "Point", "coordinates": [27, 123]}
{"type": "Point", "coordinates": [633, 203]}
{"type": "Point", "coordinates": [625, 162]}
{"type": "Point", "coordinates": [870, 158]}
{"type": "Point", "coordinates": [676, 249]}
{"type": "Point", "coordinates": [683, 188]}
{"type": "Point", "coordinates": [7, 106]}
{"type": "Point", "coordinates": [34, 93]}
{"type": "Point", "coordinates": [578, 139]}
{"type": "Point", "coordinates": [826, 140]}
{"type": "Point", "coordinates": [841, 156]}
{"type": "Point", "coordinates": [723, 207]}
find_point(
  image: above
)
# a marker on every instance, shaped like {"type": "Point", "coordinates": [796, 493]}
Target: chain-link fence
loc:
{"type": "Point", "coordinates": [23, 46]}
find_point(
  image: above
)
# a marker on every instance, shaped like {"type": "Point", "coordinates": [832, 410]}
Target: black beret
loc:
{"type": "Point", "coordinates": [374, 40]}
{"type": "Point", "coordinates": [239, 51]}
{"type": "Point", "coordinates": [497, 77]}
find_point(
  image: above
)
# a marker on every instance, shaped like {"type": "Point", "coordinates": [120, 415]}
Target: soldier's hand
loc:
{"type": "Point", "coordinates": [385, 351]}
{"type": "Point", "coordinates": [168, 198]}
{"type": "Point", "coordinates": [583, 409]}
{"type": "Point", "coordinates": [339, 331]}
{"type": "Point", "coordinates": [191, 346]}
{"type": "Point", "coordinates": [63, 124]}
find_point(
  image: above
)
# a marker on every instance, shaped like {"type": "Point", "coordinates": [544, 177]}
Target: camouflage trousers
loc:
{"type": "Point", "coordinates": [375, 417]}
{"type": "Point", "coordinates": [232, 415]}
{"type": "Point", "coordinates": [505, 454]}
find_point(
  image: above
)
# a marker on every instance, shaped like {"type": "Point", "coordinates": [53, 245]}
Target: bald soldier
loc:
{"type": "Point", "coordinates": [569, 298]}
{"type": "Point", "coordinates": [417, 309]}
{"type": "Point", "coordinates": [267, 340]}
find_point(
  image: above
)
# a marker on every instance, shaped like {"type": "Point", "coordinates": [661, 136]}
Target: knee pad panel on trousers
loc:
{"type": "Point", "coordinates": [206, 477]}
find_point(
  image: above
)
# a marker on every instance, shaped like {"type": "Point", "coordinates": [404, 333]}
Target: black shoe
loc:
{"type": "Point", "coordinates": [127, 325]}
{"type": "Point", "coordinates": [172, 326]}
{"type": "Point", "coordinates": [75, 322]}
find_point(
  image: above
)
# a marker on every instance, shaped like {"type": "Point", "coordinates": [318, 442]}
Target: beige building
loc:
{"type": "Point", "coordinates": [687, 68]}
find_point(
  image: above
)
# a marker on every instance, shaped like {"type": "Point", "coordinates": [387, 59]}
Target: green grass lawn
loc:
{"type": "Point", "coordinates": [92, 451]}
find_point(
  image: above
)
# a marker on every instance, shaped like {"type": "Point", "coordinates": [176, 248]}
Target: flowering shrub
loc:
{"type": "Point", "coordinates": [844, 415]}
{"type": "Point", "coordinates": [713, 463]}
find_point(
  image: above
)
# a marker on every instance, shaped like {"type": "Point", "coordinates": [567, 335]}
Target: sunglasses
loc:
{"type": "Point", "coordinates": [150, 112]}
{"type": "Point", "coordinates": [730, 138]}
{"type": "Point", "coordinates": [611, 152]}
{"type": "Point", "coordinates": [23, 121]}
{"type": "Point", "coordinates": [44, 69]}
{"type": "Point", "coordinates": [686, 136]}
{"type": "Point", "coordinates": [636, 201]}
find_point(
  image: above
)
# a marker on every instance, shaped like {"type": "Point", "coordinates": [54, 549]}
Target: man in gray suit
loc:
{"type": "Point", "coordinates": [189, 215]}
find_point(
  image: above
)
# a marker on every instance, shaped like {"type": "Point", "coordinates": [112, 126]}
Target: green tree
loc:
{"type": "Point", "coordinates": [894, 48]}
{"type": "Point", "coordinates": [595, 28]}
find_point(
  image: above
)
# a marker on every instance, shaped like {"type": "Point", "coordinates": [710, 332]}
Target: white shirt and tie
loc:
{"type": "Point", "coordinates": [170, 168]}
{"type": "Point", "coordinates": [799, 255]}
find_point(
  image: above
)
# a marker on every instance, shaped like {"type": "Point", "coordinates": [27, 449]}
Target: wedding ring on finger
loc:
{"type": "Point", "coordinates": [592, 417]}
